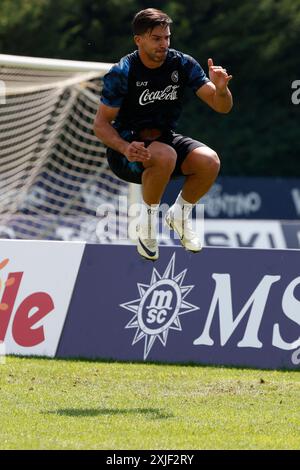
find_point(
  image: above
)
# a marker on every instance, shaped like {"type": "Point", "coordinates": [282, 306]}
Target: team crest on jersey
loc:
{"type": "Point", "coordinates": [174, 76]}
{"type": "Point", "coordinates": [160, 307]}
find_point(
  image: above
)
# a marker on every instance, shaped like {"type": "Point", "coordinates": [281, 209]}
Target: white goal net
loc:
{"type": "Point", "coordinates": [53, 170]}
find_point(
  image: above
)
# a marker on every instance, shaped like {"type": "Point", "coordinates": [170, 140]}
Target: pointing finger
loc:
{"type": "Point", "coordinates": [210, 62]}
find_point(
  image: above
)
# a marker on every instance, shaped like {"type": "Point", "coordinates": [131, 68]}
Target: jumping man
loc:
{"type": "Point", "coordinates": [140, 105]}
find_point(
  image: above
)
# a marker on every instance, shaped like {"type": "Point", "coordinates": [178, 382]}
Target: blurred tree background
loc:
{"type": "Point", "coordinates": [258, 41]}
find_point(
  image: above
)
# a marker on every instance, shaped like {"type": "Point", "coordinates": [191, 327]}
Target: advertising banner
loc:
{"type": "Point", "coordinates": [247, 234]}
{"type": "Point", "coordinates": [247, 198]}
{"type": "Point", "coordinates": [230, 233]}
{"type": "Point", "coordinates": [36, 284]}
{"type": "Point", "coordinates": [222, 306]}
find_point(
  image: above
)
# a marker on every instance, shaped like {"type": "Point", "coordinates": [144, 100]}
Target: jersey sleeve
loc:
{"type": "Point", "coordinates": [196, 76]}
{"type": "Point", "coordinates": [115, 85]}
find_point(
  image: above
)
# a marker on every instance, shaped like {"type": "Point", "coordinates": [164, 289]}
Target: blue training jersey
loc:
{"type": "Point", "coordinates": [150, 98]}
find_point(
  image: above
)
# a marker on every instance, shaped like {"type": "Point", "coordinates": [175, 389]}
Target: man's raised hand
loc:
{"type": "Point", "coordinates": [218, 75]}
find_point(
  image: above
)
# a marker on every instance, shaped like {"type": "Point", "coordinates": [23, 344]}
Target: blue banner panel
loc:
{"type": "Point", "coordinates": [291, 233]}
{"type": "Point", "coordinates": [220, 306]}
{"type": "Point", "coordinates": [247, 198]}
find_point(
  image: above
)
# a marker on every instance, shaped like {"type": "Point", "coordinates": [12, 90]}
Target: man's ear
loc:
{"type": "Point", "coordinates": [137, 39]}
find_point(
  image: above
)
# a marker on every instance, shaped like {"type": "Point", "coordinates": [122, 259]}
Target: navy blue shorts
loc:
{"type": "Point", "coordinates": [132, 171]}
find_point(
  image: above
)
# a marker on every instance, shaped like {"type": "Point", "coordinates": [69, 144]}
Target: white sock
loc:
{"type": "Point", "coordinates": [181, 208]}
{"type": "Point", "coordinates": [148, 219]}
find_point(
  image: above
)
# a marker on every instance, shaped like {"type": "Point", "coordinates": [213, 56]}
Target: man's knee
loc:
{"type": "Point", "coordinates": [202, 160]}
{"type": "Point", "coordinates": [212, 162]}
{"type": "Point", "coordinates": [163, 156]}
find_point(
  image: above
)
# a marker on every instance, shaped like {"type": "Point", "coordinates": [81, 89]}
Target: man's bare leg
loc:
{"type": "Point", "coordinates": [155, 177]}
{"type": "Point", "coordinates": [157, 172]}
{"type": "Point", "coordinates": [201, 168]}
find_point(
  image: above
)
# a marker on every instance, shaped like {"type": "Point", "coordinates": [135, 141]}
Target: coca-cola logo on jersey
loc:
{"type": "Point", "coordinates": [168, 94]}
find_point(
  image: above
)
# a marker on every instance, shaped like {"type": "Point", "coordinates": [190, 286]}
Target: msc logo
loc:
{"type": "Point", "coordinates": [161, 303]}
{"type": "Point", "coordinates": [159, 307]}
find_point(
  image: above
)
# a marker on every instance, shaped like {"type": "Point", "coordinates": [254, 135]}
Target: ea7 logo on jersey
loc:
{"type": "Point", "coordinates": [141, 83]}
{"type": "Point", "coordinates": [159, 307]}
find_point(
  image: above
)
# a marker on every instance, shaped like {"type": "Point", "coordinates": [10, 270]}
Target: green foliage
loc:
{"type": "Point", "coordinates": [256, 40]}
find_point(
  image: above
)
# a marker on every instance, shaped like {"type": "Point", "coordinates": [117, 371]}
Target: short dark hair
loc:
{"type": "Point", "coordinates": [149, 19]}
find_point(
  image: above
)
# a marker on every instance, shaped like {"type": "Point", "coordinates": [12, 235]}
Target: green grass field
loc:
{"type": "Point", "coordinates": [58, 404]}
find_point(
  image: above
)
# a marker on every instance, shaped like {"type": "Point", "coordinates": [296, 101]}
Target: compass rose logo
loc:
{"type": "Point", "coordinates": [159, 307]}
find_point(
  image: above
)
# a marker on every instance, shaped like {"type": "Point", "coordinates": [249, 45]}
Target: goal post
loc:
{"type": "Point", "coordinates": [53, 169]}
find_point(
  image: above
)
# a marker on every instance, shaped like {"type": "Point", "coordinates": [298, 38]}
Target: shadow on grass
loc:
{"type": "Point", "coordinates": [151, 413]}
{"type": "Point", "coordinates": [149, 362]}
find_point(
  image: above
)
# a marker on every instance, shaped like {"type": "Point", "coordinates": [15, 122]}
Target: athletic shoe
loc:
{"type": "Point", "coordinates": [188, 237]}
{"type": "Point", "coordinates": [147, 247]}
